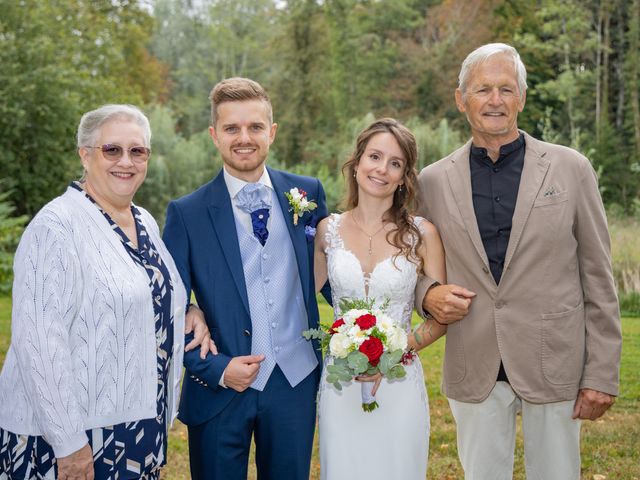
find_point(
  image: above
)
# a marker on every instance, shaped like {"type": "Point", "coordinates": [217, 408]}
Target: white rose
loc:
{"type": "Point", "coordinates": [350, 316]}
{"type": "Point", "coordinates": [304, 203]}
{"type": "Point", "coordinates": [339, 345]}
{"type": "Point", "coordinates": [397, 339]}
{"type": "Point", "coordinates": [295, 194]}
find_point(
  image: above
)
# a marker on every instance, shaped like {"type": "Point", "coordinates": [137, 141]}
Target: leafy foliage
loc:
{"type": "Point", "coordinates": [330, 67]}
{"type": "Point", "coordinates": [11, 228]}
{"type": "Point", "coordinates": [58, 60]}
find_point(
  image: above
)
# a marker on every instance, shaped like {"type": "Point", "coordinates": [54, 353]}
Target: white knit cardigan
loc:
{"type": "Point", "coordinates": [83, 345]}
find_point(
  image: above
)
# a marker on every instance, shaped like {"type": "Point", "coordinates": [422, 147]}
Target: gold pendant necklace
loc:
{"type": "Point", "coordinates": [370, 236]}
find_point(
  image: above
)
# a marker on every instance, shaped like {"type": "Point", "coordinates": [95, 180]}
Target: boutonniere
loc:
{"type": "Point", "coordinates": [299, 203]}
{"type": "Point", "coordinates": [310, 233]}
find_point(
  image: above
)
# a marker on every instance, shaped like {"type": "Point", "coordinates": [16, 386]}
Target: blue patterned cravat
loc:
{"type": "Point", "coordinates": [254, 198]}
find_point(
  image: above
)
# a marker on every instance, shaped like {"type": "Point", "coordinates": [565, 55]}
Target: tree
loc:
{"type": "Point", "coordinates": [58, 60]}
{"type": "Point", "coordinates": [11, 228]}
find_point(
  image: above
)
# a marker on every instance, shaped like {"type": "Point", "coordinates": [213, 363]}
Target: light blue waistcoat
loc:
{"type": "Point", "coordinates": [276, 303]}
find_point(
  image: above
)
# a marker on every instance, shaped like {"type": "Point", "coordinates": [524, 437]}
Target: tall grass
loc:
{"type": "Point", "coordinates": [625, 251]}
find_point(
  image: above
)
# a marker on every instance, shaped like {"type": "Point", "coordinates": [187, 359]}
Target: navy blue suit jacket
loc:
{"type": "Point", "coordinates": [200, 233]}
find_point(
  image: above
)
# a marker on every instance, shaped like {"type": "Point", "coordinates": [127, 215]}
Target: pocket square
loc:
{"type": "Point", "coordinates": [550, 191]}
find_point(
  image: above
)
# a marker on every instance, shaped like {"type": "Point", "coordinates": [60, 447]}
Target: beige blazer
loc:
{"type": "Point", "coordinates": [554, 318]}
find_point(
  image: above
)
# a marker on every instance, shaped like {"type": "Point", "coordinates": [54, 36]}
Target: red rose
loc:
{"type": "Point", "coordinates": [372, 348]}
{"type": "Point", "coordinates": [366, 321]}
{"type": "Point", "coordinates": [336, 324]}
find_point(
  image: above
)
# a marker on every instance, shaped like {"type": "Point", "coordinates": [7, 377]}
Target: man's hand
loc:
{"type": "Point", "coordinates": [194, 322]}
{"type": "Point", "coordinates": [242, 371]}
{"type": "Point", "coordinates": [447, 303]}
{"type": "Point", "coordinates": [77, 466]}
{"type": "Point", "coordinates": [591, 404]}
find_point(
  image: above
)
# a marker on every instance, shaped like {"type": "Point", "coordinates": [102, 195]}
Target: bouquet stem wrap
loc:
{"type": "Point", "coordinates": [369, 403]}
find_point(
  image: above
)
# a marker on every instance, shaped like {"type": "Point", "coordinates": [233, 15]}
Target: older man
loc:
{"type": "Point", "coordinates": [524, 227]}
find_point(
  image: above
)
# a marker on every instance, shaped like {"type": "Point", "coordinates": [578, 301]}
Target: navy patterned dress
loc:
{"type": "Point", "coordinates": [133, 450]}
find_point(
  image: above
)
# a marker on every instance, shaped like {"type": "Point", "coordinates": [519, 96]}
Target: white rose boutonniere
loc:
{"type": "Point", "coordinates": [299, 203]}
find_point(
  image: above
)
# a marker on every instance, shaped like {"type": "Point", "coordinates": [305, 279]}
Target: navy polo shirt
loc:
{"type": "Point", "coordinates": [494, 186]}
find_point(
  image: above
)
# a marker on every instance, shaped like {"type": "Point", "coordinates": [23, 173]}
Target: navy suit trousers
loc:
{"type": "Point", "coordinates": [282, 421]}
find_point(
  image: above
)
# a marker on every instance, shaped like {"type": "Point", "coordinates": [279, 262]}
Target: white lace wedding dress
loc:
{"type": "Point", "coordinates": [392, 441]}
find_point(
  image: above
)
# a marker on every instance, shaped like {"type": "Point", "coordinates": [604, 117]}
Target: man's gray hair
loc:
{"type": "Point", "coordinates": [482, 53]}
{"type": "Point", "coordinates": [91, 122]}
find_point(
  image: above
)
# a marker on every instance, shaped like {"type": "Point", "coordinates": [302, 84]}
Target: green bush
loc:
{"type": "Point", "coordinates": [625, 250]}
{"type": "Point", "coordinates": [10, 231]}
{"type": "Point", "coordinates": [630, 304]}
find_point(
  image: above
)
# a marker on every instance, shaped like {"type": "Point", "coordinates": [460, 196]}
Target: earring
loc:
{"type": "Point", "coordinates": [354, 173]}
{"type": "Point", "coordinates": [400, 188]}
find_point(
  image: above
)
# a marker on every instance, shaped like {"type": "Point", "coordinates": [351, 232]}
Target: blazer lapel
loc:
{"type": "Point", "coordinates": [534, 172]}
{"type": "Point", "coordinates": [224, 225]}
{"type": "Point", "coordinates": [459, 175]}
{"type": "Point", "coordinates": [296, 232]}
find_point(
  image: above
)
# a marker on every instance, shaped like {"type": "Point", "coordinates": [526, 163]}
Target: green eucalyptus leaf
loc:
{"type": "Point", "coordinates": [397, 371]}
{"type": "Point", "coordinates": [332, 378]}
{"type": "Point", "coordinates": [358, 362]}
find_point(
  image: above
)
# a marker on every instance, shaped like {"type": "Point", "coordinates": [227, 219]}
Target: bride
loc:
{"type": "Point", "coordinates": [375, 251]}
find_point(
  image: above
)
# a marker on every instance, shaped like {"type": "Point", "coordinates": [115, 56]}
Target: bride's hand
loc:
{"type": "Point", "coordinates": [376, 378]}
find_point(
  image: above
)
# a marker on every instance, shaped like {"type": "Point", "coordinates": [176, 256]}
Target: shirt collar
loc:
{"type": "Point", "coordinates": [479, 153]}
{"type": "Point", "coordinates": [234, 184]}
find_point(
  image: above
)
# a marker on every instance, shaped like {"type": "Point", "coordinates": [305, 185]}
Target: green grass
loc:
{"type": "Point", "coordinates": [610, 446]}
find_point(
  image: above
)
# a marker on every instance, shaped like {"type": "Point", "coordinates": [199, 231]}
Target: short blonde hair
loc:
{"type": "Point", "coordinates": [237, 89]}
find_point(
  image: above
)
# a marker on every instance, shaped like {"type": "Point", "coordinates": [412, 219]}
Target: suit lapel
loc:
{"type": "Point", "coordinates": [296, 232]}
{"type": "Point", "coordinates": [224, 225]}
{"type": "Point", "coordinates": [459, 175]}
{"type": "Point", "coordinates": [533, 173]}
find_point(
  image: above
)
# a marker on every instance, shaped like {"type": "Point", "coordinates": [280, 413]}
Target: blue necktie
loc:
{"type": "Point", "coordinates": [259, 219]}
{"type": "Point", "coordinates": [254, 198]}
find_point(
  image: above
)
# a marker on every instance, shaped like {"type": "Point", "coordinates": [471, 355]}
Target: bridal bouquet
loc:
{"type": "Point", "coordinates": [363, 341]}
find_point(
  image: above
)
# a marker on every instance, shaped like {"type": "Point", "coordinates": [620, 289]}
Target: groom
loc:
{"type": "Point", "coordinates": [249, 263]}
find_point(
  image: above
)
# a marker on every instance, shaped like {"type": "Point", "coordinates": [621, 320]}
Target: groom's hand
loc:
{"type": "Point", "coordinates": [447, 303]}
{"type": "Point", "coordinates": [242, 371]}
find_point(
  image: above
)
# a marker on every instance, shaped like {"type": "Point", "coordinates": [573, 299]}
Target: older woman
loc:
{"type": "Point", "coordinates": [91, 378]}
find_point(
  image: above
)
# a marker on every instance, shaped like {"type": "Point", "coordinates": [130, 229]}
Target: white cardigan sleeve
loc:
{"type": "Point", "coordinates": [46, 294]}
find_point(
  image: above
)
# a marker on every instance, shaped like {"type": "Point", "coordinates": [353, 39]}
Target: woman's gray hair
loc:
{"type": "Point", "coordinates": [92, 121]}
{"type": "Point", "coordinates": [482, 53]}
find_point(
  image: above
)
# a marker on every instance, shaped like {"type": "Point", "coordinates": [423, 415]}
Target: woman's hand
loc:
{"type": "Point", "coordinates": [77, 466]}
{"type": "Point", "coordinates": [194, 322]}
{"type": "Point", "coordinates": [376, 378]}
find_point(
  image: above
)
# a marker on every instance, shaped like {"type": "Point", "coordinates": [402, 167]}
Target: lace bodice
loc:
{"type": "Point", "coordinates": [392, 279]}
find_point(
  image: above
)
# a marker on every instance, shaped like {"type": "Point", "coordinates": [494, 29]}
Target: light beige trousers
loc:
{"type": "Point", "coordinates": [487, 436]}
